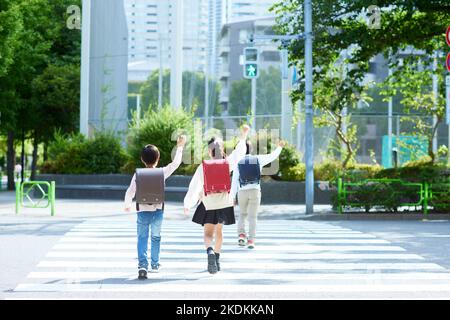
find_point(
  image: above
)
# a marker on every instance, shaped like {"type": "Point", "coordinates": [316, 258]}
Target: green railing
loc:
{"type": "Point", "coordinates": [438, 196]}
{"type": "Point", "coordinates": [387, 193]}
{"type": "Point", "coordinates": [24, 200]}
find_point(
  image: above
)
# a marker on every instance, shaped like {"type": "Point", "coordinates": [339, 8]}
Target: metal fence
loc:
{"type": "Point", "coordinates": [371, 128]}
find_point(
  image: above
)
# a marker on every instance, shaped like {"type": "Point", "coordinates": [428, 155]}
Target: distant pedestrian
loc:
{"type": "Point", "coordinates": [247, 184]}
{"type": "Point", "coordinates": [149, 192]}
{"type": "Point", "coordinates": [210, 188]}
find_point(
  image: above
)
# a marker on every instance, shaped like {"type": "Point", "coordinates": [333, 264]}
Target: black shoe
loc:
{"type": "Point", "coordinates": [142, 274]}
{"type": "Point", "coordinates": [212, 263]}
{"type": "Point", "coordinates": [217, 261]}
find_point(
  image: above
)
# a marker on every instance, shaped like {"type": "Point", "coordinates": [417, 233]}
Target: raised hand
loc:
{"type": "Point", "coordinates": [181, 141]}
{"type": "Point", "coordinates": [282, 143]}
{"type": "Point", "coordinates": [245, 130]}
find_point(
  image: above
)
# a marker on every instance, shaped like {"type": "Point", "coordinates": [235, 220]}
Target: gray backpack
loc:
{"type": "Point", "coordinates": [150, 186]}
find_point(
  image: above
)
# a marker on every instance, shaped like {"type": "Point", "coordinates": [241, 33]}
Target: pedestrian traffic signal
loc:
{"type": "Point", "coordinates": [251, 59]}
{"type": "Point", "coordinates": [251, 71]}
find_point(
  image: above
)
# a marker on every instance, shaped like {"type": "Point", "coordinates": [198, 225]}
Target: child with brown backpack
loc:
{"type": "Point", "coordinates": [147, 185]}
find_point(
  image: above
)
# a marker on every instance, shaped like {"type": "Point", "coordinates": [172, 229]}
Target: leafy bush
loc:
{"type": "Point", "coordinates": [74, 154]}
{"type": "Point", "coordinates": [161, 129]}
{"type": "Point", "coordinates": [296, 173]}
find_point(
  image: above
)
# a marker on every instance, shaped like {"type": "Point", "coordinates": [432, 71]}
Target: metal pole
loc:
{"type": "Point", "coordinates": [390, 128]}
{"type": "Point", "coordinates": [85, 65]}
{"type": "Point", "coordinates": [160, 75]}
{"type": "Point", "coordinates": [206, 113]}
{"type": "Point", "coordinates": [176, 70]}
{"type": "Point", "coordinates": [435, 95]}
{"type": "Point", "coordinates": [254, 103]}
{"type": "Point", "coordinates": [309, 139]}
{"type": "Point", "coordinates": [138, 109]}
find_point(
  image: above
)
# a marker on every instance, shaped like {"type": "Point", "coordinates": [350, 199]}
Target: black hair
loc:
{"type": "Point", "coordinates": [249, 146]}
{"type": "Point", "coordinates": [150, 154]}
{"type": "Point", "coordinates": [215, 145]}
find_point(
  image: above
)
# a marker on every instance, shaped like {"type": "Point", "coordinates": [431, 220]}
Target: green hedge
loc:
{"type": "Point", "coordinates": [161, 129]}
{"type": "Point", "coordinates": [74, 154]}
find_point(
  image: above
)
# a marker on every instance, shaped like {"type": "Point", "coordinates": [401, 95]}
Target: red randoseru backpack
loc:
{"type": "Point", "coordinates": [216, 176]}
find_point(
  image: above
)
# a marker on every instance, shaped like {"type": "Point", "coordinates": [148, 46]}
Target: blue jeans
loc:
{"type": "Point", "coordinates": [145, 219]}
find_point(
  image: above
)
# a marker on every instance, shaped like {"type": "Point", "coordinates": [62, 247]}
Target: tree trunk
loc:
{"type": "Point", "coordinates": [35, 157]}
{"type": "Point", "coordinates": [10, 160]}
{"type": "Point", "coordinates": [430, 142]}
{"type": "Point", "coordinates": [45, 156]}
{"type": "Point", "coordinates": [22, 156]}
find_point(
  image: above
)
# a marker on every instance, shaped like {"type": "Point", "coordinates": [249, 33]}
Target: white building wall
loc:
{"type": "Point", "coordinates": [150, 27]}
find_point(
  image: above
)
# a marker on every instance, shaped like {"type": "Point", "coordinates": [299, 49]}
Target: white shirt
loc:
{"type": "Point", "coordinates": [264, 159]}
{"type": "Point", "coordinates": [168, 171]}
{"type": "Point", "coordinates": [220, 201]}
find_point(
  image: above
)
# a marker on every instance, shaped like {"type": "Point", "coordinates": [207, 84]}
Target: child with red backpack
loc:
{"type": "Point", "coordinates": [246, 184]}
{"type": "Point", "coordinates": [147, 185]}
{"type": "Point", "coordinates": [210, 187]}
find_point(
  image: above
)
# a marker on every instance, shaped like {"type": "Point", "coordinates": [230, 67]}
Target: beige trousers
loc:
{"type": "Point", "coordinates": [249, 201]}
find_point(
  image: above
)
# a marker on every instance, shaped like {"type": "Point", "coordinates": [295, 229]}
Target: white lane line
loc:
{"type": "Point", "coordinates": [225, 231]}
{"type": "Point", "coordinates": [241, 256]}
{"type": "Point", "coordinates": [245, 276]}
{"type": "Point", "coordinates": [166, 287]}
{"type": "Point", "coordinates": [325, 235]}
{"type": "Point", "coordinates": [259, 240]}
{"type": "Point", "coordinates": [245, 265]}
{"type": "Point", "coordinates": [277, 249]}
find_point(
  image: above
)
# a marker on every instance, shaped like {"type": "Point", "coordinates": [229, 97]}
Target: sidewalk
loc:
{"type": "Point", "coordinates": [82, 209]}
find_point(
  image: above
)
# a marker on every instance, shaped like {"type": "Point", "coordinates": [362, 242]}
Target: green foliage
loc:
{"type": "Point", "coordinates": [268, 93]}
{"type": "Point", "coordinates": [296, 173]}
{"type": "Point", "coordinates": [73, 154]}
{"type": "Point", "coordinates": [193, 92]}
{"type": "Point", "coordinates": [160, 128]}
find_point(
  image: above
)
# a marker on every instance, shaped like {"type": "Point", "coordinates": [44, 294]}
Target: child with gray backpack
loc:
{"type": "Point", "coordinates": [147, 185]}
{"type": "Point", "coordinates": [246, 183]}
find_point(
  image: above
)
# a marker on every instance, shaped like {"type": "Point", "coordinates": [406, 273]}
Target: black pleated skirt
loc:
{"type": "Point", "coordinates": [220, 216]}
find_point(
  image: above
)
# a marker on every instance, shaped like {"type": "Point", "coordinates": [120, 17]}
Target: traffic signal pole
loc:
{"type": "Point", "coordinates": [309, 129]}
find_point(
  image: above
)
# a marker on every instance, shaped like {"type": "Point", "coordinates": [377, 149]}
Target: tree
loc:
{"type": "Point", "coordinates": [413, 83]}
{"type": "Point", "coordinates": [40, 39]}
{"type": "Point", "coordinates": [332, 94]}
{"type": "Point", "coordinates": [347, 26]}
{"type": "Point", "coordinates": [268, 93]}
{"type": "Point", "coordinates": [193, 92]}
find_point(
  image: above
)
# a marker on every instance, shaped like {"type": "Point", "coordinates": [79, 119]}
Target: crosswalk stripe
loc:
{"type": "Point", "coordinates": [133, 230]}
{"type": "Point", "coordinates": [199, 247]}
{"type": "Point", "coordinates": [222, 288]}
{"type": "Point", "coordinates": [106, 234]}
{"type": "Point", "coordinates": [246, 265]}
{"type": "Point", "coordinates": [243, 275]}
{"type": "Point", "coordinates": [238, 255]}
{"type": "Point", "coordinates": [93, 240]}
{"type": "Point", "coordinates": [290, 257]}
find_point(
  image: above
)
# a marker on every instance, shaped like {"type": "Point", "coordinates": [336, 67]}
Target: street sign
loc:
{"type": "Point", "coordinates": [251, 71]}
{"type": "Point", "coordinates": [447, 62]}
{"type": "Point", "coordinates": [447, 35]}
{"type": "Point", "coordinates": [447, 98]}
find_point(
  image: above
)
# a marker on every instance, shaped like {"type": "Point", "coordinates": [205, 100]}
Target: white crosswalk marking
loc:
{"type": "Point", "coordinates": [99, 256]}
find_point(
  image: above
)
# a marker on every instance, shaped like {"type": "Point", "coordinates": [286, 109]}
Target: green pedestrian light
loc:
{"type": "Point", "coordinates": [251, 71]}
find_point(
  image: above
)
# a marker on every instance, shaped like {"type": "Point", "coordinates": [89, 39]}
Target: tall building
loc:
{"type": "Point", "coordinates": [238, 10]}
{"type": "Point", "coordinates": [150, 26]}
{"type": "Point", "coordinates": [103, 105]}
{"type": "Point", "coordinates": [233, 40]}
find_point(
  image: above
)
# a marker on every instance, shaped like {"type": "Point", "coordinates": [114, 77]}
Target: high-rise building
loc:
{"type": "Point", "coordinates": [238, 10]}
{"type": "Point", "coordinates": [150, 25]}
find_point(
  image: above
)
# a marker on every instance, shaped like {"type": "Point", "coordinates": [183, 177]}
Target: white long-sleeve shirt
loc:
{"type": "Point", "coordinates": [264, 159]}
{"type": "Point", "coordinates": [168, 171]}
{"type": "Point", "coordinates": [214, 201]}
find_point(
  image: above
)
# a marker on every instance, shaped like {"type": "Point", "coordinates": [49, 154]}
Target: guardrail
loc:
{"type": "Point", "coordinates": [388, 193]}
{"type": "Point", "coordinates": [438, 196]}
{"type": "Point", "coordinates": [24, 200]}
